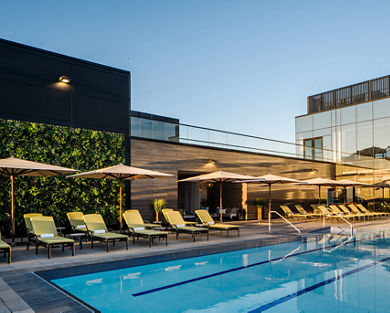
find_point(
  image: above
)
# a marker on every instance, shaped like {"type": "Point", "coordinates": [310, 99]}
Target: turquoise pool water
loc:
{"type": "Point", "coordinates": [332, 275]}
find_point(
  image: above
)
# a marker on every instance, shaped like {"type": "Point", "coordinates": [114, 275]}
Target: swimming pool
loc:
{"type": "Point", "coordinates": [332, 275]}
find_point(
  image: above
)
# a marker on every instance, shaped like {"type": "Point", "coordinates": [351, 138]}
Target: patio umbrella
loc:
{"type": "Point", "coordinates": [349, 183]}
{"type": "Point", "coordinates": [218, 177]}
{"type": "Point", "coordinates": [121, 172]}
{"type": "Point", "coordinates": [319, 181]}
{"type": "Point", "coordinates": [382, 185]}
{"type": "Point", "coordinates": [271, 179]}
{"type": "Point", "coordinates": [13, 167]}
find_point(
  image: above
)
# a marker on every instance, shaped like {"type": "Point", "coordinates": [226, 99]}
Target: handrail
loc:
{"type": "Point", "coordinates": [277, 260]}
{"type": "Point", "coordinates": [336, 247]}
{"type": "Point", "coordinates": [283, 218]}
{"type": "Point", "coordinates": [340, 215]}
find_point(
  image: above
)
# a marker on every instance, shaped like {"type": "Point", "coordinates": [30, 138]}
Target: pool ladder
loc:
{"type": "Point", "coordinates": [283, 218]}
{"type": "Point", "coordinates": [345, 220]}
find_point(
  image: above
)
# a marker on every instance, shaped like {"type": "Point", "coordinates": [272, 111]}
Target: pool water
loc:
{"type": "Point", "coordinates": [332, 275]}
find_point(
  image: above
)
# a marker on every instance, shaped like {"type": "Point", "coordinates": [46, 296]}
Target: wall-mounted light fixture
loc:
{"type": "Point", "coordinates": [65, 79]}
{"type": "Point", "coordinates": [211, 162]}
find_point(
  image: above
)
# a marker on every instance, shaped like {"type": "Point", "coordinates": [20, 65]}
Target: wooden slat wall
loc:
{"type": "Point", "coordinates": [172, 157]}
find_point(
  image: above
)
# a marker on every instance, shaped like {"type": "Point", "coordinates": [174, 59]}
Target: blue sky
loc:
{"type": "Point", "coordinates": [244, 66]}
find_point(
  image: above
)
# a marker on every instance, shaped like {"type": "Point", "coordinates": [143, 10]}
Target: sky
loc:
{"type": "Point", "coordinates": [245, 66]}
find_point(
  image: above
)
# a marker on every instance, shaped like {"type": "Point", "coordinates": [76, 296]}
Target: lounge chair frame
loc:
{"type": "Point", "coordinates": [91, 221]}
{"type": "Point", "coordinates": [134, 220]}
{"type": "Point", "coordinates": [5, 248]}
{"type": "Point", "coordinates": [49, 243]}
{"type": "Point", "coordinates": [206, 219]}
{"type": "Point", "coordinates": [174, 218]}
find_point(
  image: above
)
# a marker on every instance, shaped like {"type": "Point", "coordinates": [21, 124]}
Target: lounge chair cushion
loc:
{"type": "Point", "coordinates": [56, 240]}
{"type": "Point", "coordinates": [180, 225]}
{"type": "Point", "coordinates": [99, 231]}
{"type": "Point", "coordinates": [4, 245]}
{"type": "Point", "coordinates": [109, 236]}
{"type": "Point", "coordinates": [138, 228]}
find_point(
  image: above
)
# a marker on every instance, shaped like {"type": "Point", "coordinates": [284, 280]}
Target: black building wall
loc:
{"type": "Point", "coordinates": [97, 98]}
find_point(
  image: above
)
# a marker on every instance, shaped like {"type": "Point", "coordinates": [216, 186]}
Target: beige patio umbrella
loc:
{"type": "Point", "coordinates": [218, 177]}
{"type": "Point", "coordinates": [319, 181]}
{"type": "Point", "coordinates": [13, 167]}
{"type": "Point", "coordinates": [349, 183]}
{"type": "Point", "coordinates": [271, 179]}
{"type": "Point", "coordinates": [121, 172]}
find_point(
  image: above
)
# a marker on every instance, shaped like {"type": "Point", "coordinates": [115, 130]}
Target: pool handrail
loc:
{"type": "Point", "coordinates": [283, 218]}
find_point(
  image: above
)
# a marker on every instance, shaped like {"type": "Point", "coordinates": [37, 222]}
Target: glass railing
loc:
{"type": "Point", "coordinates": [202, 136]}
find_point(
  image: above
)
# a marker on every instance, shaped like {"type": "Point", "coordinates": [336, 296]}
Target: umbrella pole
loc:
{"type": "Point", "coordinates": [319, 194]}
{"type": "Point", "coordinates": [220, 201]}
{"type": "Point", "coordinates": [120, 205]}
{"type": "Point", "coordinates": [12, 209]}
{"type": "Point", "coordinates": [269, 199]}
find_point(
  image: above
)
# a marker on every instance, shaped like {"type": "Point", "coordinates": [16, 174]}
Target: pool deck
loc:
{"type": "Point", "coordinates": [23, 291]}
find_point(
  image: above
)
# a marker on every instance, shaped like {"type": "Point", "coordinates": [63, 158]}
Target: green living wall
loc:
{"type": "Point", "coordinates": [79, 149]}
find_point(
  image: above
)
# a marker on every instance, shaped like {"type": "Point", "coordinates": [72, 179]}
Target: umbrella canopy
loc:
{"type": "Point", "coordinates": [271, 179]}
{"type": "Point", "coordinates": [218, 177]}
{"type": "Point", "coordinates": [121, 172]}
{"type": "Point", "coordinates": [319, 181]}
{"type": "Point", "coordinates": [13, 167]}
{"type": "Point", "coordinates": [349, 183]}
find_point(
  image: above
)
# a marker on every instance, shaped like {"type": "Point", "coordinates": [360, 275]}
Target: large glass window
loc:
{"type": "Point", "coordinates": [313, 148]}
{"type": "Point", "coordinates": [382, 138]}
{"type": "Point", "coordinates": [348, 139]}
{"type": "Point", "coordinates": [364, 112]}
{"type": "Point", "coordinates": [381, 108]}
{"type": "Point", "coordinates": [364, 139]}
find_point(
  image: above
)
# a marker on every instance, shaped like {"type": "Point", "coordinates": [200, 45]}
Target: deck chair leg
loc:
{"type": "Point", "coordinates": [133, 239]}
{"type": "Point", "coordinates": [208, 235]}
{"type": "Point", "coordinates": [127, 243]}
{"type": "Point", "coordinates": [49, 252]}
{"type": "Point", "coordinates": [28, 242]}
{"type": "Point", "coordinates": [150, 241]}
{"type": "Point", "coordinates": [166, 240]}
{"type": "Point", "coordinates": [73, 252]}
{"type": "Point", "coordinates": [177, 235]}
{"type": "Point", "coordinates": [227, 231]}
{"type": "Point", "coordinates": [193, 236]}
{"type": "Point", "coordinates": [91, 243]}
{"type": "Point", "coordinates": [108, 245]}
{"type": "Point", "coordinates": [36, 248]}
{"type": "Point", "coordinates": [63, 248]}
{"type": "Point", "coordinates": [9, 256]}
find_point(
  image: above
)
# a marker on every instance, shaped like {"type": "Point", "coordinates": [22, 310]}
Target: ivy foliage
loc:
{"type": "Point", "coordinates": [79, 149]}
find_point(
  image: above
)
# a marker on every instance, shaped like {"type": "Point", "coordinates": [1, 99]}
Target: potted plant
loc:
{"type": "Point", "coordinates": [158, 205]}
{"type": "Point", "coordinates": [260, 202]}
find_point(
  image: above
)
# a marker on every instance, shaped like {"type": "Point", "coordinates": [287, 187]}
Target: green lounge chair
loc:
{"type": "Point", "coordinates": [27, 222]}
{"type": "Point", "coordinates": [138, 229]}
{"type": "Point", "coordinates": [5, 248]}
{"type": "Point", "coordinates": [301, 210]}
{"type": "Point", "coordinates": [136, 218]}
{"type": "Point", "coordinates": [97, 230]}
{"type": "Point", "coordinates": [76, 220]}
{"type": "Point", "coordinates": [355, 210]}
{"type": "Point", "coordinates": [288, 213]}
{"type": "Point", "coordinates": [46, 235]}
{"type": "Point", "coordinates": [178, 225]}
{"type": "Point", "coordinates": [187, 223]}
{"type": "Point", "coordinates": [338, 211]}
{"type": "Point", "coordinates": [365, 210]}
{"type": "Point", "coordinates": [206, 219]}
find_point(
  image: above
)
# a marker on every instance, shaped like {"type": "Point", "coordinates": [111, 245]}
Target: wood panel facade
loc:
{"type": "Point", "coordinates": [176, 159]}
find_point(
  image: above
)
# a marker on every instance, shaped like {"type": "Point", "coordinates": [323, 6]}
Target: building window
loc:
{"type": "Point", "coordinates": [313, 148]}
